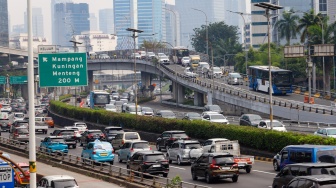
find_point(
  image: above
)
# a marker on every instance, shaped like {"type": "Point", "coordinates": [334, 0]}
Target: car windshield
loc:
{"type": "Point", "coordinates": [223, 159]}
{"type": "Point", "coordinates": [80, 125]}
{"type": "Point", "coordinates": [180, 135]}
{"type": "Point", "coordinates": [22, 124]}
{"type": "Point", "coordinates": [141, 145]}
{"type": "Point", "coordinates": [331, 131]}
{"type": "Point", "coordinates": [104, 146]}
{"type": "Point", "coordinates": [115, 131]}
{"type": "Point", "coordinates": [22, 131]}
{"type": "Point", "coordinates": [95, 132]}
{"type": "Point", "coordinates": [217, 116]}
{"type": "Point", "coordinates": [63, 183]}
{"type": "Point", "coordinates": [167, 113]}
{"type": "Point", "coordinates": [326, 156]}
{"type": "Point", "coordinates": [214, 107]}
{"type": "Point", "coordinates": [19, 115]}
{"type": "Point", "coordinates": [119, 103]}
{"type": "Point", "coordinates": [150, 53]}
{"type": "Point", "coordinates": [275, 124]}
{"type": "Point", "coordinates": [186, 58]}
{"type": "Point", "coordinates": [323, 170]}
{"type": "Point", "coordinates": [192, 145]}
{"type": "Point", "coordinates": [154, 157]}
{"type": "Point", "coordinates": [255, 117]}
{"type": "Point", "coordinates": [24, 168]}
{"type": "Point", "coordinates": [131, 136]}
{"type": "Point", "coordinates": [147, 109]}
{"type": "Point", "coordinates": [235, 75]}
{"type": "Point", "coordinates": [68, 132]}
{"type": "Point", "coordinates": [57, 140]}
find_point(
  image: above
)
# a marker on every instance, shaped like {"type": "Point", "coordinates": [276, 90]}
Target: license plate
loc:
{"type": "Point", "coordinates": [223, 176]}
{"type": "Point", "coordinates": [225, 168]}
{"type": "Point", "coordinates": [155, 166]}
{"type": "Point", "coordinates": [103, 154]}
{"type": "Point", "coordinates": [283, 92]}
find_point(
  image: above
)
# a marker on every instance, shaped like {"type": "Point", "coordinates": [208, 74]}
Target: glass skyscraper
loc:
{"type": "Point", "coordinates": [37, 18]}
{"type": "Point", "coordinates": [4, 32]}
{"type": "Point", "coordinates": [106, 23]}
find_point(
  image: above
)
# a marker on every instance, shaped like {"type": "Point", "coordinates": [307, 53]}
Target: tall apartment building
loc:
{"type": "Point", "coordinates": [4, 30]}
{"type": "Point", "coordinates": [69, 19]}
{"type": "Point", "coordinates": [106, 21]}
{"type": "Point", "coordinates": [326, 7]}
{"type": "Point", "coordinates": [145, 15]}
{"type": "Point", "coordinates": [37, 18]}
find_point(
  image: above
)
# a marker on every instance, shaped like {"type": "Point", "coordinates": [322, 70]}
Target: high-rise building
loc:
{"type": "Point", "coordinates": [173, 32]}
{"type": "Point", "coordinates": [69, 19]}
{"type": "Point", "coordinates": [17, 29]}
{"type": "Point", "coordinates": [52, 8]}
{"type": "Point", "coordinates": [214, 11]}
{"type": "Point", "coordinates": [95, 41]}
{"type": "Point", "coordinates": [37, 18]}
{"type": "Point", "coordinates": [106, 21]}
{"type": "Point", "coordinates": [93, 22]}
{"type": "Point", "coordinates": [4, 32]}
{"type": "Point", "coordinates": [326, 7]}
{"type": "Point", "coordinates": [146, 15]}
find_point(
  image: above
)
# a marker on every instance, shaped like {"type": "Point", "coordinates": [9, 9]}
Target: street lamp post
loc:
{"type": "Point", "coordinates": [135, 89]}
{"type": "Point", "coordinates": [268, 7]}
{"type": "Point", "coordinates": [323, 64]}
{"type": "Point", "coordinates": [245, 43]}
{"type": "Point", "coordinates": [75, 50]}
{"type": "Point", "coordinates": [206, 30]}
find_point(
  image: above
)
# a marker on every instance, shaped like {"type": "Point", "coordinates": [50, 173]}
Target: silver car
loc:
{"type": "Point", "coordinates": [130, 147]}
{"type": "Point", "coordinates": [184, 151]}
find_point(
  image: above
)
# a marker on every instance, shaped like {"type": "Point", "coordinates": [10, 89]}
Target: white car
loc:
{"type": "Point", "coordinates": [6, 108]}
{"type": "Point", "coordinates": [214, 117]}
{"type": "Point", "coordinates": [160, 55]}
{"type": "Point", "coordinates": [189, 73]}
{"type": "Point", "coordinates": [103, 56]}
{"type": "Point", "coordinates": [38, 110]}
{"type": "Point", "coordinates": [57, 181]}
{"type": "Point", "coordinates": [136, 55]}
{"type": "Point", "coordinates": [211, 142]}
{"type": "Point", "coordinates": [18, 116]}
{"type": "Point", "coordinates": [150, 55]}
{"type": "Point", "coordinates": [164, 60]}
{"type": "Point", "coordinates": [185, 61]}
{"type": "Point", "coordinates": [277, 125]}
{"type": "Point", "coordinates": [218, 73]}
{"type": "Point", "coordinates": [326, 132]}
{"type": "Point", "coordinates": [110, 107]}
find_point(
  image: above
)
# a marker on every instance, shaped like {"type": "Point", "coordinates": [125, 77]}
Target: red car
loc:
{"type": "Point", "coordinates": [20, 179]}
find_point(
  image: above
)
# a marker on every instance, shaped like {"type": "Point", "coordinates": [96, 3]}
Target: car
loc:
{"type": "Point", "coordinates": [160, 55]}
{"type": "Point", "coordinates": [188, 73]}
{"type": "Point", "coordinates": [21, 108]}
{"type": "Point", "coordinates": [90, 136]}
{"type": "Point", "coordinates": [250, 120]}
{"type": "Point", "coordinates": [19, 123]}
{"type": "Point", "coordinates": [167, 138]}
{"type": "Point", "coordinates": [216, 71]}
{"type": "Point", "coordinates": [98, 151]}
{"type": "Point", "coordinates": [5, 122]}
{"type": "Point", "coordinates": [123, 137]}
{"type": "Point", "coordinates": [150, 55]}
{"type": "Point", "coordinates": [69, 135]}
{"type": "Point", "coordinates": [54, 144]}
{"type": "Point", "coordinates": [326, 132]}
{"type": "Point", "coordinates": [213, 108]}
{"type": "Point", "coordinates": [184, 151]}
{"type": "Point", "coordinates": [135, 55]}
{"type": "Point", "coordinates": [166, 114]}
{"type": "Point", "coordinates": [142, 54]}
{"type": "Point", "coordinates": [115, 96]}
{"type": "Point", "coordinates": [234, 78]}
{"type": "Point", "coordinates": [20, 180]}
{"type": "Point", "coordinates": [185, 61]}
{"type": "Point", "coordinates": [49, 121]}
{"type": "Point", "coordinates": [131, 109]}
{"type": "Point", "coordinates": [316, 181]}
{"type": "Point", "coordinates": [110, 107]}
{"type": "Point", "coordinates": [276, 125]}
{"type": "Point", "coordinates": [291, 171]}
{"type": "Point", "coordinates": [20, 134]}
{"type": "Point", "coordinates": [103, 56]}
{"type": "Point", "coordinates": [111, 131]}
{"type": "Point", "coordinates": [211, 142]}
{"type": "Point", "coordinates": [55, 181]}
{"type": "Point", "coordinates": [14, 106]}
{"type": "Point", "coordinates": [127, 150]}
{"type": "Point", "coordinates": [151, 162]}
{"type": "Point", "coordinates": [192, 116]}
{"type": "Point", "coordinates": [124, 106]}
{"type": "Point", "coordinates": [214, 166]}
{"type": "Point", "coordinates": [125, 95]}
{"type": "Point", "coordinates": [215, 118]}
{"type": "Point", "coordinates": [147, 111]}
{"type": "Point", "coordinates": [6, 108]}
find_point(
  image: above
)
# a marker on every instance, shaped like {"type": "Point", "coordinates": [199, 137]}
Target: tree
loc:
{"type": "Point", "coordinates": [287, 26]}
{"type": "Point", "coordinates": [308, 20]}
{"type": "Point", "coordinates": [152, 44]}
{"type": "Point", "coordinates": [223, 39]}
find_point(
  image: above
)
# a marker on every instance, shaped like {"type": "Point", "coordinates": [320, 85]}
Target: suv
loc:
{"type": "Point", "coordinates": [184, 151]}
{"type": "Point", "coordinates": [111, 132]}
{"type": "Point", "coordinates": [123, 137]}
{"type": "Point", "coordinates": [250, 120]}
{"type": "Point", "coordinates": [57, 181]}
{"type": "Point", "coordinates": [214, 166]}
{"type": "Point", "coordinates": [317, 181]}
{"type": "Point", "coordinates": [19, 123]}
{"type": "Point", "coordinates": [90, 136]}
{"type": "Point", "coordinates": [167, 138]}
{"type": "Point", "coordinates": [20, 134]}
{"type": "Point", "coordinates": [151, 162]}
{"type": "Point", "coordinates": [291, 171]}
{"type": "Point", "coordinates": [130, 147]}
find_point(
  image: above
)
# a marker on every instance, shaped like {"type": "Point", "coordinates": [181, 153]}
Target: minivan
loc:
{"type": "Point", "coordinates": [123, 137]}
{"type": "Point", "coordinates": [304, 154]}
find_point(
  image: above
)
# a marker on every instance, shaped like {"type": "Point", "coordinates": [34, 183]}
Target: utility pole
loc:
{"type": "Point", "coordinates": [75, 50]}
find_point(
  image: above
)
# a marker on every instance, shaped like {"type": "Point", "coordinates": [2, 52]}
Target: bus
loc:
{"type": "Point", "coordinates": [178, 53]}
{"type": "Point", "coordinates": [282, 80]}
{"type": "Point", "coordinates": [99, 98]}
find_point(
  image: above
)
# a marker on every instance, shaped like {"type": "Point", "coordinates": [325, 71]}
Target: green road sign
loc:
{"type": "Point", "coordinates": [62, 69]}
{"type": "Point", "coordinates": [2, 79]}
{"type": "Point", "coordinates": [18, 80]}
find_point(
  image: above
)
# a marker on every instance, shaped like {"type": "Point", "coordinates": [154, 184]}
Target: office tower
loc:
{"type": "Point", "coordinates": [17, 29]}
{"type": "Point", "coordinates": [93, 22]}
{"type": "Point", "coordinates": [52, 4]}
{"type": "Point", "coordinates": [4, 32]}
{"type": "Point", "coordinates": [173, 32]}
{"type": "Point", "coordinates": [326, 7]}
{"type": "Point", "coordinates": [37, 18]}
{"type": "Point", "coordinates": [146, 15]}
{"type": "Point", "coordinates": [106, 21]}
{"type": "Point", "coordinates": [190, 19]}
{"type": "Point", "coordinates": [69, 19]}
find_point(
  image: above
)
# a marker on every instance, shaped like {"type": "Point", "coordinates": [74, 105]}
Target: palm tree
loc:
{"type": "Point", "coordinates": [308, 20]}
{"type": "Point", "coordinates": [287, 26]}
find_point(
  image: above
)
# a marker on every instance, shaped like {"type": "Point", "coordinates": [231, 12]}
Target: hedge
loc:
{"type": "Point", "coordinates": [267, 140]}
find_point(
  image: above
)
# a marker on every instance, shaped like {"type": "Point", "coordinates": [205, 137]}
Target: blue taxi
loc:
{"type": "Point", "coordinates": [98, 151]}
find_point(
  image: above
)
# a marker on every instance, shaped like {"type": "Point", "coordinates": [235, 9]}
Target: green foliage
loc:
{"type": "Point", "coordinates": [152, 45]}
{"type": "Point", "coordinates": [287, 26]}
{"type": "Point", "coordinates": [248, 136]}
{"type": "Point", "coordinates": [65, 97]}
{"type": "Point", "coordinates": [175, 182]}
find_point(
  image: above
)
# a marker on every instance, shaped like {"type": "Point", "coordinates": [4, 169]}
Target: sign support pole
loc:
{"type": "Point", "coordinates": [32, 144]}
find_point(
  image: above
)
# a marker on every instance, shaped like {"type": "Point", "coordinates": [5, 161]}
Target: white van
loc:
{"type": "Point", "coordinates": [123, 137]}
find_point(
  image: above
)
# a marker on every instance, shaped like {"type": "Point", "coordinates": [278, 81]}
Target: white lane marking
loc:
{"type": "Point", "coordinates": [264, 172]}
{"type": "Point", "coordinates": [177, 167]}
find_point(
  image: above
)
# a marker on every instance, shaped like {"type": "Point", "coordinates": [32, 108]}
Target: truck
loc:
{"type": "Point", "coordinates": [194, 60]}
{"type": "Point", "coordinates": [232, 147]}
{"type": "Point", "coordinates": [82, 127]}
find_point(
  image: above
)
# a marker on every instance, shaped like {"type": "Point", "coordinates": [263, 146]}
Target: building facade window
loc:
{"type": "Point", "coordinates": [323, 5]}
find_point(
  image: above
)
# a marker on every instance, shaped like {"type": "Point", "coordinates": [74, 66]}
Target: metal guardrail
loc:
{"type": "Point", "coordinates": [99, 168]}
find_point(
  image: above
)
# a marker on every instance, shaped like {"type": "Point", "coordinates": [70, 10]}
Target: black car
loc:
{"type": "Point", "coordinates": [214, 166]}
{"type": "Point", "coordinates": [167, 138]}
{"type": "Point", "coordinates": [316, 181]}
{"type": "Point", "coordinates": [250, 120]}
{"type": "Point", "coordinates": [111, 131]}
{"type": "Point", "coordinates": [291, 171]}
{"type": "Point", "coordinates": [151, 162]}
{"type": "Point", "coordinates": [90, 136]}
{"type": "Point", "coordinates": [68, 135]}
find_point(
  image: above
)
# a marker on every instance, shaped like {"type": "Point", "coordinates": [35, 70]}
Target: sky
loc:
{"type": "Point", "coordinates": [16, 13]}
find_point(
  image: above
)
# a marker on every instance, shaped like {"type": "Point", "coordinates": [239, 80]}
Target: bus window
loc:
{"type": "Point", "coordinates": [326, 156]}
{"type": "Point", "coordinates": [300, 156]}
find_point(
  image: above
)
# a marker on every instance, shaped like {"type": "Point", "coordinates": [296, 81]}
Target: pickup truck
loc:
{"type": "Point", "coordinates": [233, 147]}
{"type": "Point", "coordinates": [41, 127]}
{"type": "Point", "coordinates": [82, 127]}
{"type": "Point", "coordinates": [54, 144]}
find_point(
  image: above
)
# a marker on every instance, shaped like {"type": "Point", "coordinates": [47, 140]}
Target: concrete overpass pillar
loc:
{"type": "Point", "coordinates": [180, 93]}
{"type": "Point", "coordinates": [90, 81]}
{"type": "Point", "coordinates": [209, 98]}
{"type": "Point", "coordinates": [145, 81]}
{"type": "Point", "coordinates": [24, 91]}
{"type": "Point", "coordinates": [174, 92]}
{"type": "Point", "coordinates": [198, 99]}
